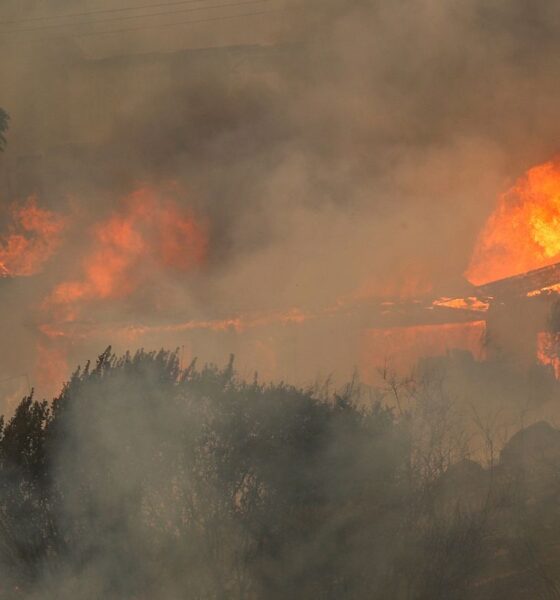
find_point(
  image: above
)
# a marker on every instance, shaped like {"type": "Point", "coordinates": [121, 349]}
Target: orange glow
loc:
{"type": "Point", "coordinates": [131, 333]}
{"type": "Point", "coordinates": [523, 232]}
{"type": "Point", "coordinates": [149, 233]}
{"type": "Point", "coordinates": [51, 367]}
{"type": "Point", "coordinates": [469, 303]}
{"type": "Point", "coordinates": [549, 289]}
{"type": "Point", "coordinates": [548, 345]}
{"type": "Point", "coordinates": [33, 237]}
{"type": "Point", "coordinates": [399, 348]}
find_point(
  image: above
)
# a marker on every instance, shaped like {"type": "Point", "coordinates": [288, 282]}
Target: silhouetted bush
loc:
{"type": "Point", "coordinates": [142, 480]}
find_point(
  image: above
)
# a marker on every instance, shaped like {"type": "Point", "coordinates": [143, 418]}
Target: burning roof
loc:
{"type": "Point", "coordinates": [526, 283]}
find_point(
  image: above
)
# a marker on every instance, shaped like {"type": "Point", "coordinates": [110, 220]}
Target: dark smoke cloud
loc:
{"type": "Point", "coordinates": [354, 136]}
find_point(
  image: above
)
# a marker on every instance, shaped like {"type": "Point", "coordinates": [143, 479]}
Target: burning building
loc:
{"type": "Point", "coordinates": [151, 239]}
{"type": "Point", "coordinates": [509, 309]}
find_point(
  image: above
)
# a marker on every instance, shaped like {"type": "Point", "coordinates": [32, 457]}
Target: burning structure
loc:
{"type": "Point", "coordinates": [518, 314]}
{"type": "Point", "coordinates": [153, 238]}
{"type": "Point", "coordinates": [509, 308]}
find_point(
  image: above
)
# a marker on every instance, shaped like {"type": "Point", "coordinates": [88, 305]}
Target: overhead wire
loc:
{"type": "Point", "coordinates": [14, 377]}
{"type": "Point", "coordinates": [131, 17]}
{"type": "Point", "coordinates": [176, 23]}
{"type": "Point", "coordinates": [98, 12]}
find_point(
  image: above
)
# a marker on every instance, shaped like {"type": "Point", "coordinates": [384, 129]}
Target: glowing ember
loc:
{"type": "Point", "coordinates": [34, 236]}
{"type": "Point", "coordinates": [549, 289]}
{"type": "Point", "coordinates": [238, 324]}
{"type": "Point", "coordinates": [470, 303]}
{"type": "Point", "coordinates": [523, 233]}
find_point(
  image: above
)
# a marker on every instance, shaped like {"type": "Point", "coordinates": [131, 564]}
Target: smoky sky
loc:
{"type": "Point", "coordinates": [331, 145]}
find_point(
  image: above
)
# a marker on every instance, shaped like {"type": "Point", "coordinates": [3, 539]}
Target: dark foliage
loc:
{"type": "Point", "coordinates": [142, 481]}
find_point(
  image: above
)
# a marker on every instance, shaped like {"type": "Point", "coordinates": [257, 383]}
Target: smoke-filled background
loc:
{"type": "Point", "coordinates": [318, 188]}
{"type": "Point", "coordinates": [224, 177]}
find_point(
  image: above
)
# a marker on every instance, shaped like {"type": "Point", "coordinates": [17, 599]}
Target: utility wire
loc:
{"type": "Point", "coordinates": [97, 12]}
{"type": "Point", "coordinates": [14, 377]}
{"type": "Point", "coordinates": [130, 17]}
{"type": "Point", "coordinates": [224, 18]}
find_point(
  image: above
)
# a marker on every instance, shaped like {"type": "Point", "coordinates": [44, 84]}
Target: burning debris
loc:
{"type": "Point", "coordinates": [470, 303]}
{"type": "Point", "coordinates": [529, 284]}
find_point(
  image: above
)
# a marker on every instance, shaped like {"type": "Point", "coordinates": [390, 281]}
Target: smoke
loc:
{"type": "Point", "coordinates": [143, 480]}
{"type": "Point", "coordinates": [257, 185]}
{"type": "Point", "coordinates": [330, 147]}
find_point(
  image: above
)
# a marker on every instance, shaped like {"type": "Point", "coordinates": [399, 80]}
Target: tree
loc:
{"type": "Point", "coordinates": [144, 480]}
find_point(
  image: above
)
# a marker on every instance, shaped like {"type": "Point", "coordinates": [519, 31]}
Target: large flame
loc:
{"type": "Point", "coordinates": [33, 236]}
{"type": "Point", "coordinates": [148, 233]}
{"type": "Point", "coordinates": [523, 233]}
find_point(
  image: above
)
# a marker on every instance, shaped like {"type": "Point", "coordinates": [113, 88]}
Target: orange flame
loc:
{"type": "Point", "coordinates": [149, 232]}
{"type": "Point", "coordinates": [470, 303]}
{"type": "Point", "coordinates": [548, 346]}
{"type": "Point", "coordinates": [239, 324]}
{"type": "Point", "coordinates": [523, 233]}
{"type": "Point", "coordinates": [34, 236]}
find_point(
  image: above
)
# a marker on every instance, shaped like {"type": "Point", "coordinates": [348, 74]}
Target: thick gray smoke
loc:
{"type": "Point", "coordinates": [332, 149]}
{"type": "Point", "coordinates": [332, 146]}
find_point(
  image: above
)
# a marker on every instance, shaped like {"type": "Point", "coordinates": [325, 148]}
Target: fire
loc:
{"type": "Point", "coordinates": [548, 345]}
{"type": "Point", "coordinates": [149, 232]}
{"type": "Point", "coordinates": [471, 303]}
{"type": "Point", "coordinates": [523, 233]}
{"type": "Point", "coordinates": [132, 332]}
{"type": "Point", "coordinates": [34, 236]}
{"type": "Point", "coordinates": [549, 289]}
